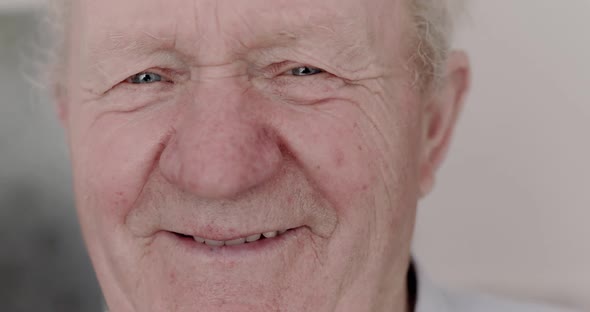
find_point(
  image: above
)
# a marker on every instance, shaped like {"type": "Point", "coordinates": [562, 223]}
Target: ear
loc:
{"type": "Point", "coordinates": [440, 116]}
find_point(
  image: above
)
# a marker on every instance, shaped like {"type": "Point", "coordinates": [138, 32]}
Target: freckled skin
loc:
{"type": "Point", "coordinates": [230, 144]}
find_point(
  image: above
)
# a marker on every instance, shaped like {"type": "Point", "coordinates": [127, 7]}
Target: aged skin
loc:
{"type": "Point", "coordinates": [224, 119]}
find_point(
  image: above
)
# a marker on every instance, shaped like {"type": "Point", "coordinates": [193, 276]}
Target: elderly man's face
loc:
{"type": "Point", "coordinates": [220, 120]}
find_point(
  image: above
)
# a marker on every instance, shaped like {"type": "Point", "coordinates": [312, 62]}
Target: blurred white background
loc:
{"type": "Point", "coordinates": [511, 210]}
{"type": "Point", "coordinates": [509, 215]}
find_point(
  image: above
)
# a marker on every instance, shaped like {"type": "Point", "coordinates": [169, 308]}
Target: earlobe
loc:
{"type": "Point", "coordinates": [426, 180]}
{"type": "Point", "coordinates": [440, 116]}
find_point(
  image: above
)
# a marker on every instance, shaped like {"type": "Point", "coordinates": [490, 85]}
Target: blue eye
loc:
{"type": "Point", "coordinates": [305, 71]}
{"type": "Point", "coordinates": [144, 78]}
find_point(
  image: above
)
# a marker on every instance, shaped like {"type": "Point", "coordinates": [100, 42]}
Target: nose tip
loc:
{"type": "Point", "coordinates": [221, 160]}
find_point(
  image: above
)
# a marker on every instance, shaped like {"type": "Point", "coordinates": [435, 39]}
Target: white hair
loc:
{"type": "Point", "coordinates": [433, 26]}
{"type": "Point", "coordinates": [54, 28]}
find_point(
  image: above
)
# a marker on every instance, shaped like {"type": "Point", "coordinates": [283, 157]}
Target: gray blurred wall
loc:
{"type": "Point", "coordinates": [43, 265]}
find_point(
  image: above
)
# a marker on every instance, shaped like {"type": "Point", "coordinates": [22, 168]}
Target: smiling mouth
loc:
{"type": "Point", "coordinates": [248, 248]}
{"type": "Point", "coordinates": [251, 239]}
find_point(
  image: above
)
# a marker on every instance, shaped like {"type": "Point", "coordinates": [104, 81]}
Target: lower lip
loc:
{"type": "Point", "coordinates": [259, 247]}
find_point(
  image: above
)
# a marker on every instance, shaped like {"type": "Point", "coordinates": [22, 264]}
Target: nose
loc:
{"type": "Point", "coordinates": [221, 146]}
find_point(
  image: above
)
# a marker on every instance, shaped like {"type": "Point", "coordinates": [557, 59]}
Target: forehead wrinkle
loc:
{"type": "Point", "coordinates": [333, 35]}
{"type": "Point", "coordinates": [132, 42]}
{"type": "Point", "coordinates": [289, 29]}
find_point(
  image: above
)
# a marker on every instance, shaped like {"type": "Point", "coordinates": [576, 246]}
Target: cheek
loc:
{"type": "Point", "coordinates": [113, 159]}
{"type": "Point", "coordinates": [328, 144]}
{"type": "Point", "coordinates": [358, 158]}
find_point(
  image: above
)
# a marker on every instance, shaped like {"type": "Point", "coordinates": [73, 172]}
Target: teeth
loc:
{"type": "Point", "coordinates": [270, 234]}
{"type": "Point", "coordinates": [210, 242]}
{"type": "Point", "coordinates": [199, 240]}
{"type": "Point", "coordinates": [253, 238]}
{"type": "Point", "coordinates": [238, 241]}
{"type": "Point", "coordinates": [235, 242]}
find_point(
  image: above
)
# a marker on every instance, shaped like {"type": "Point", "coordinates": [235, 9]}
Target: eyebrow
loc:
{"type": "Point", "coordinates": [114, 44]}
{"type": "Point", "coordinates": [112, 60]}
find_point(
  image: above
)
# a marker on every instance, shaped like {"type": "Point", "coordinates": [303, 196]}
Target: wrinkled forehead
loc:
{"type": "Point", "coordinates": [196, 24]}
